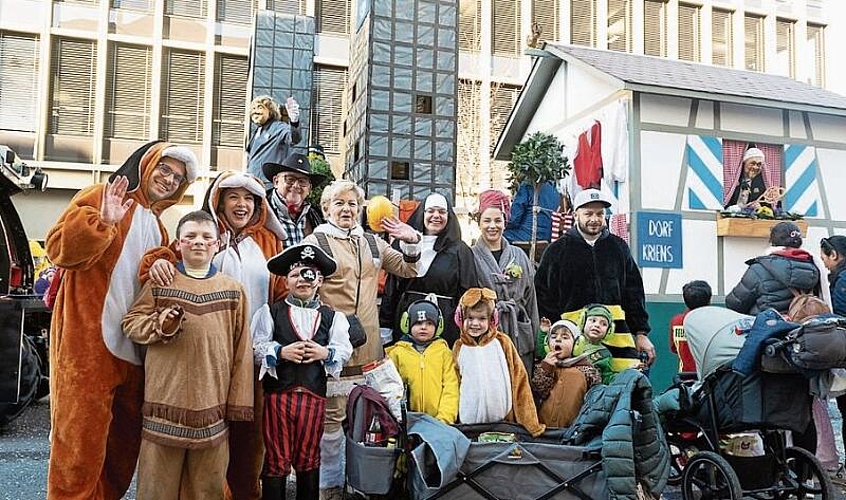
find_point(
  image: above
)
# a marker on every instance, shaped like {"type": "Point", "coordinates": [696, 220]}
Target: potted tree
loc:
{"type": "Point", "coordinates": [535, 161]}
{"type": "Point", "coordinates": [319, 165]}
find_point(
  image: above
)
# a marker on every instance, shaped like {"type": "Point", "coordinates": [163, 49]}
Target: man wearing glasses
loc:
{"type": "Point", "coordinates": [751, 184]}
{"type": "Point", "coordinates": [96, 373]}
{"type": "Point", "coordinates": [292, 183]}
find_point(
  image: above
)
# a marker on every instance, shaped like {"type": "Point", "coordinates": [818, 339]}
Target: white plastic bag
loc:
{"type": "Point", "coordinates": [384, 377]}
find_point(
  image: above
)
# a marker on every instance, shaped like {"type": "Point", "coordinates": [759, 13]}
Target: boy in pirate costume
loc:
{"type": "Point", "coordinates": [300, 342]}
{"type": "Point", "coordinates": [198, 369]}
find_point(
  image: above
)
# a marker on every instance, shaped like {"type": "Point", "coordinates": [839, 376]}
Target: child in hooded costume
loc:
{"type": "Point", "coordinates": [96, 374]}
{"type": "Point", "coordinates": [598, 324]}
{"type": "Point", "coordinates": [493, 384]}
{"type": "Point", "coordinates": [300, 342]}
{"type": "Point", "coordinates": [424, 361]}
{"type": "Point", "coordinates": [561, 380]}
{"type": "Point", "coordinates": [197, 370]}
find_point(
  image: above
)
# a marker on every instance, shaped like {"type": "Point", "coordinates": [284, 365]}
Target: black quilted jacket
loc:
{"type": "Point", "coordinates": [768, 281]}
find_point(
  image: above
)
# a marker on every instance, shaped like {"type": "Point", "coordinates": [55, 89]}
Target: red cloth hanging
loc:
{"type": "Point", "coordinates": [588, 162]}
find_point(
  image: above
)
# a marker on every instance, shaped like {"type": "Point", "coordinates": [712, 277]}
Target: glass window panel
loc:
{"type": "Point", "coordinates": [655, 28]}
{"type": "Point", "coordinates": [785, 63]}
{"type": "Point", "coordinates": [379, 144]}
{"type": "Point", "coordinates": [470, 25]}
{"type": "Point", "coordinates": [620, 25]}
{"type": "Point", "coordinates": [754, 42]}
{"type": "Point", "coordinates": [402, 124]}
{"type": "Point", "coordinates": [426, 12]}
{"type": "Point", "coordinates": [422, 173]}
{"type": "Point", "coordinates": [722, 40]}
{"type": "Point", "coordinates": [583, 22]}
{"type": "Point", "coordinates": [74, 69]}
{"type": "Point", "coordinates": [425, 35]}
{"type": "Point", "coordinates": [689, 35]}
{"type": "Point", "coordinates": [328, 111]}
{"type": "Point", "coordinates": [129, 92]}
{"type": "Point", "coordinates": [403, 55]}
{"type": "Point", "coordinates": [401, 147]}
{"type": "Point", "coordinates": [402, 102]}
{"type": "Point", "coordinates": [423, 127]}
{"type": "Point", "coordinates": [379, 169]}
{"type": "Point", "coordinates": [19, 61]}
{"type": "Point", "coordinates": [183, 96]}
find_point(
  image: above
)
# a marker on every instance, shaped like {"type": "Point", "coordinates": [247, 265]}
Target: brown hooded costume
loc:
{"type": "Point", "coordinates": [523, 410]}
{"type": "Point", "coordinates": [96, 372]}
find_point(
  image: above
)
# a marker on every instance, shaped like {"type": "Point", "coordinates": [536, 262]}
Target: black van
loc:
{"type": "Point", "coordinates": [24, 319]}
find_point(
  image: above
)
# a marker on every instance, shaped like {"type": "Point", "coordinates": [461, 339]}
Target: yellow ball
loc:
{"type": "Point", "coordinates": [378, 208]}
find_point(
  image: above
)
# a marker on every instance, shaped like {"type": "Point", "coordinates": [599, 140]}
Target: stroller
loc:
{"type": "Point", "coordinates": [761, 406]}
{"type": "Point", "coordinates": [502, 461]}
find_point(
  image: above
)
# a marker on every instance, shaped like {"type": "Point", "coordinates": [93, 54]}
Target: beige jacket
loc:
{"type": "Point", "coordinates": [358, 277]}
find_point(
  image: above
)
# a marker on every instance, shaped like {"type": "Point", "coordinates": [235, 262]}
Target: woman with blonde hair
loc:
{"type": "Point", "coordinates": [352, 291]}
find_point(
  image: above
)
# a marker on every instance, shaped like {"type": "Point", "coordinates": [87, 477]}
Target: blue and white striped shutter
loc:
{"type": "Point", "coordinates": [801, 180]}
{"type": "Point", "coordinates": [703, 188]}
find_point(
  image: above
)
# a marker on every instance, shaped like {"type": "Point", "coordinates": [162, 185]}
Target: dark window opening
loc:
{"type": "Point", "coordinates": [400, 170]}
{"type": "Point", "coordinates": [423, 104]}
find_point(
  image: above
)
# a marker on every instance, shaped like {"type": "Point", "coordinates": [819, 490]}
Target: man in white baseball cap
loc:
{"type": "Point", "coordinates": [590, 265]}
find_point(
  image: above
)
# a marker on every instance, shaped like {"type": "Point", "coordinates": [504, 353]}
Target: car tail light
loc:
{"type": "Point", "coordinates": [16, 277]}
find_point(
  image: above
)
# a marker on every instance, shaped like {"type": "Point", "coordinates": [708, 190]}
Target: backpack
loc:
{"type": "Point", "coordinates": [365, 403]}
{"type": "Point", "coordinates": [804, 305]}
{"type": "Point", "coordinates": [323, 243]}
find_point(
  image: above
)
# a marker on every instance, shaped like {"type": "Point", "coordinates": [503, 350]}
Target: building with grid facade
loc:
{"type": "Point", "coordinates": [85, 82]}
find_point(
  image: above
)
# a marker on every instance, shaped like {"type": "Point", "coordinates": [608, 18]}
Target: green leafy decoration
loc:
{"type": "Point", "coordinates": [319, 166]}
{"type": "Point", "coordinates": [535, 161]}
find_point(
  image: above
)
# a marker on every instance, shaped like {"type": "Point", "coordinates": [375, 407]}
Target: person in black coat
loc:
{"type": "Point", "coordinates": [446, 268]}
{"type": "Point", "coordinates": [774, 279]}
{"type": "Point", "coordinates": [590, 265]}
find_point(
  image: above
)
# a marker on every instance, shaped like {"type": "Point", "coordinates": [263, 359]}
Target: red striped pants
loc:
{"type": "Point", "coordinates": [293, 428]}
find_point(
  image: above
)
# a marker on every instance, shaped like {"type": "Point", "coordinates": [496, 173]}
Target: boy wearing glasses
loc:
{"type": "Point", "coordinates": [292, 183]}
{"type": "Point", "coordinates": [198, 371]}
{"type": "Point", "coordinates": [97, 396]}
{"type": "Point", "coordinates": [300, 342]}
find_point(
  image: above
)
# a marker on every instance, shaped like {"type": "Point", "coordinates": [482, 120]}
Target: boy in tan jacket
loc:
{"type": "Point", "coordinates": [198, 370]}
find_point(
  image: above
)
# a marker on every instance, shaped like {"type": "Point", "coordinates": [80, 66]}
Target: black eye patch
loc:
{"type": "Point", "coordinates": [308, 275]}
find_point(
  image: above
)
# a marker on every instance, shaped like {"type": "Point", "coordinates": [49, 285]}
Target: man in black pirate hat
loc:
{"type": "Point", "coordinates": [293, 180]}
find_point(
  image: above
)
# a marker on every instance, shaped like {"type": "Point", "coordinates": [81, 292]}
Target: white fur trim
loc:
{"type": "Point", "coordinates": [241, 180]}
{"type": "Point", "coordinates": [186, 156]}
{"type": "Point", "coordinates": [566, 323]}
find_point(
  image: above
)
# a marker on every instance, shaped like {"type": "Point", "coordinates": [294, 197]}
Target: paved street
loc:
{"type": "Point", "coordinates": [23, 457]}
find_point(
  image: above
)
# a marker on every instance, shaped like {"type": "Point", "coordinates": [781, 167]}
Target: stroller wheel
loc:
{"type": "Point", "coordinates": [708, 476]}
{"type": "Point", "coordinates": [805, 477]}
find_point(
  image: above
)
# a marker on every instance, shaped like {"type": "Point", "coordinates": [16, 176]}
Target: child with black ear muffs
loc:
{"type": "Point", "coordinates": [424, 361]}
